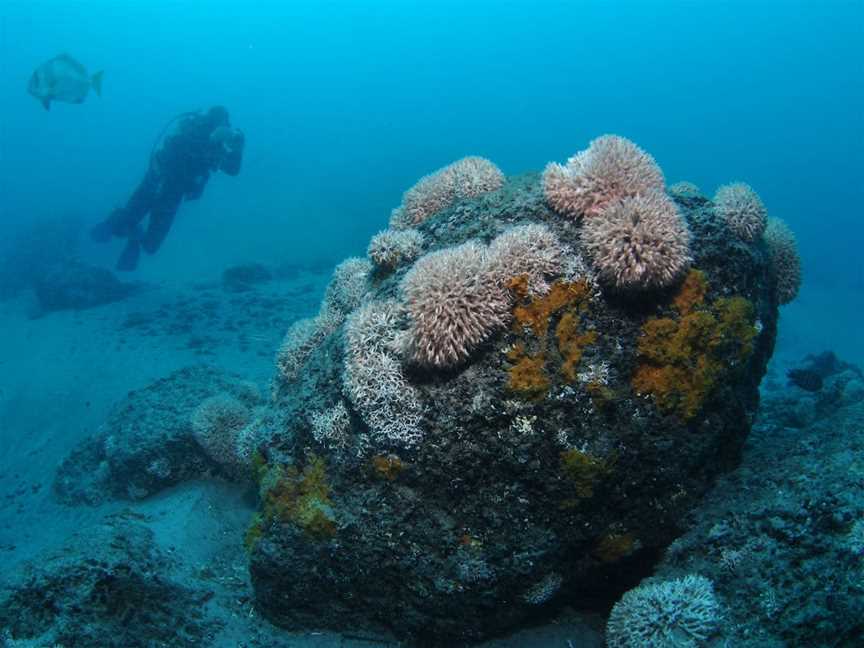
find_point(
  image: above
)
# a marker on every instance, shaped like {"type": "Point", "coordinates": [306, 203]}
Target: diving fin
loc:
{"type": "Point", "coordinates": [102, 232]}
{"type": "Point", "coordinates": [129, 259]}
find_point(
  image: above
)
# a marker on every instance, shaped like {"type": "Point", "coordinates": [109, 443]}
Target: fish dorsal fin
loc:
{"type": "Point", "coordinates": [71, 62]}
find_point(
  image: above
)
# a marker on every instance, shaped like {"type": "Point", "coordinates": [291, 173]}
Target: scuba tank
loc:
{"type": "Point", "coordinates": [162, 133]}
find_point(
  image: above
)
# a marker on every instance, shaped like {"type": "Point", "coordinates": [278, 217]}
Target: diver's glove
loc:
{"type": "Point", "coordinates": [236, 141]}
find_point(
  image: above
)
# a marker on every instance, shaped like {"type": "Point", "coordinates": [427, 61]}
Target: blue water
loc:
{"type": "Point", "coordinates": [345, 105]}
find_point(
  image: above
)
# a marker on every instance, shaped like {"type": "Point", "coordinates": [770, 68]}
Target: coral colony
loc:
{"type": "Point", "coordinates": [529, 381]}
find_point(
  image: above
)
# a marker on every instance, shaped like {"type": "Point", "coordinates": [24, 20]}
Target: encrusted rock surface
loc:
{"type": "Point", "coordinates": [782, 537]}
{"type": "Point", "coordinates": [566, 451]}
{"type": "Point", "coordinates": [74, 285]}
{"type": "Point", "coordinates": [147, 442]}
{"type": "Point", "coordinates": [241, 278]}
{"type": "Point", "coordinates": [108, 586]}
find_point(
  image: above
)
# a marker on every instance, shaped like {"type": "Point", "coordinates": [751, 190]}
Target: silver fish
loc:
{"type": "Point", "coordinates": [63, 79]}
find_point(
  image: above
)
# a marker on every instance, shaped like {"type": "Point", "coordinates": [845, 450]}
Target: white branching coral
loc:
{"type": "Point", "coordinates": [331, 428]}
{"type": "Point", "coordinates": [400, 219]}
{"type": "Point", "coordinates": [344, 293]}
{"type": "Point", "coordinates": [348, 286]}
{"type": "Point", "coordinates": [373, 378]}
{"type": "Point", "coordinates": [681, 613]}
{"type": "Point", "coordinates": [301, 340]}
{"type": "Point", "coordinates": [610, 169]}
{"type": "Point", "coordinates": [742, 210]}
{"type": "Point", "coordinates": [638, 242]}
{"type": "Point", "coordinates": [543, 590]}
{"type": "Point", "coordinates": [392, 248]}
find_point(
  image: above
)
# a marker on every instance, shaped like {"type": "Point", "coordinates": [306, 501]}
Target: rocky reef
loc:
{"type": "Point", "coordinates": [782, 537]}
{"type": "Point", "coordinates": [101, 589]}
{"type": "Point", "coordinates": [460, 440]}
{"type": "Point", "coordinates": [241, 278]}
{"type": "Point", "coordinates": [148, 443]}
{"type": "Point", "coordinates": [75, 285]}
{"type": "Point", "coordinates": [517, 401]}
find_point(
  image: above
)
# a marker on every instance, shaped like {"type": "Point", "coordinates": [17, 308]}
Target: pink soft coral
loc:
{"type": "Point", "coordinates": [466, 178]}
{"type": "Point", "coordinates": [612, 168]}
{"type": "Point", "coordinates": [783, 252]}
{"type": "Point", "coordinates": [638, 242]}
{"type": "Point", "coordinates": [455, 303]}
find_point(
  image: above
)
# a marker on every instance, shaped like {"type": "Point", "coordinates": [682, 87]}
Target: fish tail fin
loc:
{"type": "Point", "coordinates": [96, 81]}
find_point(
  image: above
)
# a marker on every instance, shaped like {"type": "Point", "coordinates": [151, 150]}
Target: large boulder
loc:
{"type": "Point", "coordinates": [34, 247]}
{"type": "Point", "coordinates": [148, 442]}
{"type": "Point", "coordinates": [561, 451]}
{"type": "Point", "coordinates": [75, 286]}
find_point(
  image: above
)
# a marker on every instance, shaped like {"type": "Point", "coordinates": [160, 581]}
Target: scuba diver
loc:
{"type": "Point", "coordinates": [178, 170]}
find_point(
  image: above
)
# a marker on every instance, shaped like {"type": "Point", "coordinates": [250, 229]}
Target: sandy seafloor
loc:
{"type": "Point", "coordinates": [61, 373]}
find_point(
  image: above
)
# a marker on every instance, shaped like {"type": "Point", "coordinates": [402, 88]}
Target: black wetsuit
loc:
{"type": "Point", "coordinates": [178, 171]}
